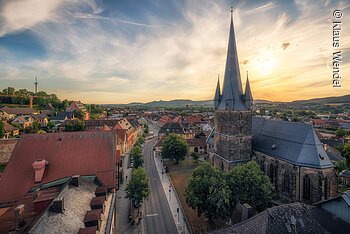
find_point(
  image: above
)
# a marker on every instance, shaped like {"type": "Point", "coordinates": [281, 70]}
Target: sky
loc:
{"type": "Point", "coordinates": [125, 51]}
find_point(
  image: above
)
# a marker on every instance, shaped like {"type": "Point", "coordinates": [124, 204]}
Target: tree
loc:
{"type": "Point", "coordinates": [34, 128]}
{"type": "Point", "coordinates": [2, 130]}
{"type": "Point", "coordinates": [250, 185]}
{"type": "Point", "coordinates": [174, 148]}
{"type": "Point", "coordinates": [78, 125]}
{"type": "Point", "coordinates": [146, 129]}
{"type": "Point", "coordinates": [195, 156]}
{"type": "Point", "coordinates": [79, 114]}
{"type": "Point", "coordinates": [340, 132]}
{"type": "Point", "coordinates": [207, 192]}
{"type": "Point", "coordinates": [345, 151]}
{"type": "Point", "coordinates": [136, 155]}
{"type": "Point", "coordinates": [138, 186]}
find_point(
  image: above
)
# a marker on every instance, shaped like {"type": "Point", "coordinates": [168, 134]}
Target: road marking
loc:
{"type": "Point", "coordinates": [150, 215]}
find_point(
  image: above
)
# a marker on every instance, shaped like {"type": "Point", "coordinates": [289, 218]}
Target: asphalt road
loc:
{"type": "Point", "coordinates": [158, 217]}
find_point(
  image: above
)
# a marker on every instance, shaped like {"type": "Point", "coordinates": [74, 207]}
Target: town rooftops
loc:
{"type": "Point", "coordinates": [8, 127]}
{"type": "Point", "coordinates": [18, 110]}
{"type": "Point", "coordinates": [296, 143]}
{"type": "Point", "coordinates": [290, 218]}
{"type": "Point", "coordinates": [172, 128]}
{"type": "Point", "coordinates": [68, 154]}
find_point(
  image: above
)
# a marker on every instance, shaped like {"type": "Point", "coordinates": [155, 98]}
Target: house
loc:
{"type": "Point", "coordinates": [171, 127]}
{"type": "Point", "coordinates": [62, 116]}
{"type": "Point", "coordinates": [17, 111]}
{"type": "Point", "coordinates": [49, 110]}
{"type": "Point", "coordinates": [10, 131]}
{"type": "Point", "coordinates": [42, 119]}
{"type": "Point", "coordinates": [100, 123]}
{"type": "Point", "coordinates": [163, 120]}
{"type": "Point", "coordinates": [23, 121]}
{"type": "Point", "coordinates": [345, 177]}
{"type": "Point", "coordinates": [74, 171]}
{"type": "Point", "coordinates": [290, 218]}
{"type": "Point", "coordinates": [338, 206]}
{"type": "Point", "coordinates": [78, 106]}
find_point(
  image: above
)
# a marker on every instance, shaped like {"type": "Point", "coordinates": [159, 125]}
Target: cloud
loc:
{"type": "Point", "coordinates": [285, 45]}
{"type": "Point", "coordinates": [24, 14]}
{"type": "Point", "coordinates": [116, 58]}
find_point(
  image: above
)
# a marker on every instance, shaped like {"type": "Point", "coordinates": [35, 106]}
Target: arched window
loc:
{"type": "Point", "coordinates": [306, 187]}
{"type": "Point", "coordinates": [326, 188]}
{"type": "Point", "coordinates": [272, 173]}
{"type": "Point", "coordinates": [286, 182]}
{"type": "Point", "coordinates": [222, 165]}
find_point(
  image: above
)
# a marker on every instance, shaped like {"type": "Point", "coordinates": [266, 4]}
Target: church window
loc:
{"type": "Point", "coordinates": [272, 174]}
{"type": "Point", "coordinates": [286, 182]}
{"type": "Point", "coordinates": [306, 187]}
{"type": "Point", "coordinates": [326, 188]}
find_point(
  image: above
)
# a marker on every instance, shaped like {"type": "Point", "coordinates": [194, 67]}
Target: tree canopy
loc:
{"type": "Point", "coordinates": [174, 148]}
{"type": "Point", "coordinates": [138, 186]}
{"type": "Point", "coordinates": [78, 125]}
{"type": "Point", "coordinates": [2, 130]}
{"type": "Point", "coordinates": [136, 155]}
{"type": "Point", "coordinates": [214, 193]}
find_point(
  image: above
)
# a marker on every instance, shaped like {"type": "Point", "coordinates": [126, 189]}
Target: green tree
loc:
{"type": "Point", "coordinates": [174, 148]}
{"type": "Point", "coordinates": [195, 156]}
{"type": "Point", "coordinates": [146, 129]}
{"type": "Point", "coordinates": [138, 186]}
{"type": "Point", "coordinates": [2, 130]}
{"type": "Point", "coordinates": [340, 132]}
{"type": "Point", "coordinates": [208, 193]}
{"type": "Point", "coordinates": [79, 114]}
{"type": "Point", "coordinates": [345, 151]}
{"type": "Point", "coordinates": [136, 155]}
{"type": "Point", "coordinates": [34, 128]}
{"type": "Point", "coordinates": [250, 185]}
{"type": "Point", "coordinates": [340, 166]}
{"type": "Point", "coordinates": [78, 125]}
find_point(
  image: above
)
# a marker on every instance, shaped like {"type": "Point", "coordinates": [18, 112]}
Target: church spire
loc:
{"type": "Point", "coordinates": [217, 97]}
{"type": "Point", "coordinates": [232, 93]}
{"type": "Point", "coordinates": [248, 97]}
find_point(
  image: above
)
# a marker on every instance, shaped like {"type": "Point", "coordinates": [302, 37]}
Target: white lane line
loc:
{"type": "Point", "coordinates": [150, 215]}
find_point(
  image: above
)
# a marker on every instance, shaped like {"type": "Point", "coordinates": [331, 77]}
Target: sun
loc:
{"type": "Point", "coordinates": [265, 63]}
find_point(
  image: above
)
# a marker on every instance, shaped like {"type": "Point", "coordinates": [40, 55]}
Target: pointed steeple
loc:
{"type": "Point", "coordinates": [217, 96]}
{"type": "Point", "coordinates": [248, 97]}
{"type": "Point", "coordinates": [232, 93]}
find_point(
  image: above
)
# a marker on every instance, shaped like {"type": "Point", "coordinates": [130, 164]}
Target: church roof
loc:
{"type": "Point", "coordinates": [297, 143]}
{"type": "Point", "coordinates": [248, 93]}
{"type": "Point", "coordinates": [232, 93]}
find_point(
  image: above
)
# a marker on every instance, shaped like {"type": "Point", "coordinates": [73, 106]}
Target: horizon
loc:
{"type": "Point", "coordinates": [106, 52]}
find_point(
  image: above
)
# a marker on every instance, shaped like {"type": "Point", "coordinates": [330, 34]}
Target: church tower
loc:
{"type": "Point", "coordinates": [233, 116]}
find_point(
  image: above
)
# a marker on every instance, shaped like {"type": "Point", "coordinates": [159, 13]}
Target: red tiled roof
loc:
{"type": "Point", "coordinates": [68, 154]}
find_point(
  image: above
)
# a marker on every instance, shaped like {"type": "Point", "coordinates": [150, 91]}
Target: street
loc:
{"type": "Point", "coordinates": [158, 217]}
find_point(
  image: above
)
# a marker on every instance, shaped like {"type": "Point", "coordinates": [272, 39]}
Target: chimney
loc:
{"type": "Point", "coordinates": [31, 102]}
{"type": "Point", "coordinates": [247, 211]}
{"type": "Point", "coordinates": [19, 216]}
{"type": "Point", "coordinates": [75, 181]}
{"type": "Point", "coordinates": [57, 205]}
{"type": "Point", "coordinates": [39, 169]}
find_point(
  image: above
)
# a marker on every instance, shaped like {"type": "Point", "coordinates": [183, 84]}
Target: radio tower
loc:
{"type": "Point", "coordinates": [36, 84]}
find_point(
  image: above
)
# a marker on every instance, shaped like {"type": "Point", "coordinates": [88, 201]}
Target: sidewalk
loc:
{"type": "Point", "coordinates": [172, 199]}
{"type": "Point", "coordinates": [123, 204]}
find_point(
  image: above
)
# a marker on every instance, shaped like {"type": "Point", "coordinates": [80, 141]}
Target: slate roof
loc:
{"type": "Point", "coordinates": [297, 143]}
{"type": "Point", "coordinates": [68, 154]}
{"type": "Point", "coordinates": [345, 174]}
{"type": "Point", "coordinates": [18, 110]}
{"type": "Point", "coordinates": [277, 220]}
{"type": "Point", "coordinates": [172, 128]}
{"type": "Point", "coordinates": [8, 127]}
{"type": "Point", "coordinates": [62, 115]}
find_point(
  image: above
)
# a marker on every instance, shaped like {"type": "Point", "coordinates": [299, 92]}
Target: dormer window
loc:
{"type": "Point", "coordinates": [273, 146]}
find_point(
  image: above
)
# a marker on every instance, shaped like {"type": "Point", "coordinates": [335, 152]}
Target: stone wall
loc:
{"type": "Point", "coordinates": [6, 148]}
{"type": "Point", "coordinates": [322, 181]}
{"type": "Point", "coordinates": [233, 137]}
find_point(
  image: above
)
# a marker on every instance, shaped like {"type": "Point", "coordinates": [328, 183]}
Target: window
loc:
{"type": "Point", "coordinates": [306, 187]}
{"type": "Point", "coordinates": [326, 187]}
{"type": "Point", "coordinates": [222, 165]}
{"type": "Point", "coordinates": [272, 174]}
{"type": "Point", "coordinates": [240, 117]}
{"type": "Point", "coordinates": [286, 182]}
